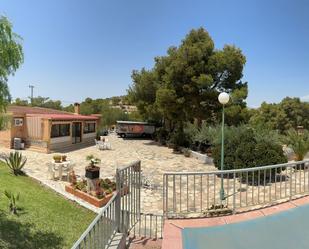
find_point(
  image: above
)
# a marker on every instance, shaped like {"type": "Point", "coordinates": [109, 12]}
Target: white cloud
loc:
{"type": "Point", "coordinates": [305, 98]}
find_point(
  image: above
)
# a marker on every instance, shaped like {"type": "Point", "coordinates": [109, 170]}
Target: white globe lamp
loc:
{"type": "Point", "coordinates": [223, 98]}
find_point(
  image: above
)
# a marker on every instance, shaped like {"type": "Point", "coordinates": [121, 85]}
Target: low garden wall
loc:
{"type": "Point", "coordinates": [202, 157]}
{"type": "Point", "coordinates": [199, 156]}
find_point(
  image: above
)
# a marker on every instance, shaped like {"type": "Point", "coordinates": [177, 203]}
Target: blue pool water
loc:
{"type": "Point", "coordinates": [285, 230]}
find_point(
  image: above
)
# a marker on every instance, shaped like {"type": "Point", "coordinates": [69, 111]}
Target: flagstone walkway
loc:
{"type": "Point", "coordinates": [155, 161]}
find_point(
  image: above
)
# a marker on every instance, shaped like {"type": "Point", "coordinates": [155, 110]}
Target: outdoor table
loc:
{"type": "Point", "coordinates": [59, 166]}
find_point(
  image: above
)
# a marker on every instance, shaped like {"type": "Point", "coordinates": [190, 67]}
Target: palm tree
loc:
{"type": "Point", "coordinates": [299, 143]}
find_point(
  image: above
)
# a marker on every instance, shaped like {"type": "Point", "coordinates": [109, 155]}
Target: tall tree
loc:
{"type": "Point", "coordinates": [184, 84]}
{"type": "Point", "coordinates": [288, 114]}
{"type": "Point", "coordinates": [11, 58]}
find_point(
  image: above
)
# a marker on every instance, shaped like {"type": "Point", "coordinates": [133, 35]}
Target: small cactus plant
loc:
{"type": "Point", "coordinates": [15, 161]}
{"type": "Point", "coordinates": [13, 198]}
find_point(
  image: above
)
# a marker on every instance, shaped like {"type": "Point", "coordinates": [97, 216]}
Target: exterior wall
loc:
{"type": "Point", "coordinates": [34, 127]}
{"type": "Point", "coordinates": [88, 137]}
{"type": "Point", "coordinates": [18, 131]}
{"type": "Point", "coordinates": [37, 136]}
{"type": "Point", "coordinates": [36, 133]}
{"type": "Point", "coordinates": [57, 140]}
{"type": "Point", "coordinates": [56, 144]}
{"type": "Point", "coordinates": [61, 143]}
{"type": "Point", "coordinates": [5, 138]}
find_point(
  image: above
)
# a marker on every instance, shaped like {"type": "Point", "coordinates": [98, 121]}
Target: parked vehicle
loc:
{"type": "Point", "coordinates": [136, 129]}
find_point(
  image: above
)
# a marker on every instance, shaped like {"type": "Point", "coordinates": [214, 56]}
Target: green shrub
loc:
{"type": "Point", "coordinates": [247, 148]}
{"type": "Point", "coordinates": [191, 130]}
{"type": "Point", "coordinates": [179, 138]}
{"type": "Point", "coordinates": [161, 135]}
{"type": "Point", "coordinates": [208, 134]}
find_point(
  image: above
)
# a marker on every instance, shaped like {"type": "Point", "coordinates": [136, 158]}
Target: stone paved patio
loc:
{"type": "Point", "coordinates": [155, 161]}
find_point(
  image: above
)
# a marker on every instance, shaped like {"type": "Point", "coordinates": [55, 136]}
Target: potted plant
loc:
{"type": "Point", "coordinates": [57, 158]}
{"type": "Point", "coordinates": [63, 158]}
{"type": "Point", "coordinates": [92, 170]}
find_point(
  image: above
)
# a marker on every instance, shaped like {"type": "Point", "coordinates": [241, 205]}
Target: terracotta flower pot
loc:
{"type": "Point", "coordinates": [89, 198]}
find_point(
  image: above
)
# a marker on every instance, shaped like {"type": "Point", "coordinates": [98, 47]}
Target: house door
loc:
{"type": "Point", "coordinates": [76, 132]}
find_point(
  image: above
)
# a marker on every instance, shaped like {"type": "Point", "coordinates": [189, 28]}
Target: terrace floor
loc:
{"type": "Point", "coordinates": [155, 161]}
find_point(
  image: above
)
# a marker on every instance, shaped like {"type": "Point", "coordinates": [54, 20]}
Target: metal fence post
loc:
{"type": "Point", "coordinates": [234, 193]}
{"type": "Point", "coordinates": [290, 183]}
{"type": "Point", "coordinates": [163, 194]}
{"type": "Point", "coordinates": [118, 201]}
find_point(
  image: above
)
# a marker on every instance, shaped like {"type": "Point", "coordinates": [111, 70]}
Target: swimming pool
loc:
{"type": "Point", "coordinates": [285, 230]}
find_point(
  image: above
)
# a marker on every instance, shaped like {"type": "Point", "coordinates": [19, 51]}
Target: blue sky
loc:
{"type": "Point", "coordinates": [86, 48]}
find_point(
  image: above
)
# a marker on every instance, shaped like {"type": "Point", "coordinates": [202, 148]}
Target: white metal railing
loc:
{"type": "Point", "coordinates": [122, 213]}
{"type": "Point", "coordinates": [119, 215]}
{"type": "Point", "coordinates": [128, 181]}
{"type": "Point", "coordinates": [148, 226]}
{"type": "Point", "coordinates": [187, 194]}
{"type": "Point", "coordinates": [102, 229]}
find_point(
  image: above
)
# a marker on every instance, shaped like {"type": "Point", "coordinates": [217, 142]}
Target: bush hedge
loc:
{"type": "Point", "coordinates": [246, 148]}
{"type": "Point", "coordinates": [179, 138]}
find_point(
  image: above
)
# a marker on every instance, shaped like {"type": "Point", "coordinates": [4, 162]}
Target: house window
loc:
{"type": "Point", "coordinates": [60, 130]}
{"type": "Point", "coordinates": [18, 121]}
{"type": "Point", "coordinates": [89, 127]}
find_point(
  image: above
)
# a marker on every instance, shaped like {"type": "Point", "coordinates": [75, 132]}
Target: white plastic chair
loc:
{"type": "Point", "coordinates": [67, 169]}
{"type": "Point", "coordinates": [51, 171]}
{"type": "Point", "coordinates": [108, 146]}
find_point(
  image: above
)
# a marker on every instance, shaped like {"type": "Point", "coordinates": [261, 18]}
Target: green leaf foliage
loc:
{"type": "Point", "coordinates": [13, 199]}
{"type": "Point", "coordinates": [298, 142]}
{"type": "Point", "coordinates": [11, 58]}
{"type": "Point", "coordinates": [184, 84]}
{"type": "Point", "coordinates": [4, 121]}
{"type": "Point", "coordinates": [289, 113]}
{"type": "Point", "coordinates": [15, 161]}
{"type": "Point", "coordinates": [245, 147]}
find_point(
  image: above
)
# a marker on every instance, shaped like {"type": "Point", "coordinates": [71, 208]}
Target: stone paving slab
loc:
{"type": "Point", "coordinates": [155, 160]}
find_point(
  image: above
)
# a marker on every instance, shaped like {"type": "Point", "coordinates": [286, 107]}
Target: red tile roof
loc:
{"type": "Point", "coordinates": [48, 113]}
{"type": "Point", "coordinates": [33, 110]}
{"type": "Point", "coordinates": [64, 116]}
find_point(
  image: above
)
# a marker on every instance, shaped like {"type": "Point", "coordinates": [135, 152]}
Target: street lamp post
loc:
{"type": "Point", "coordinates": [223, 99]}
